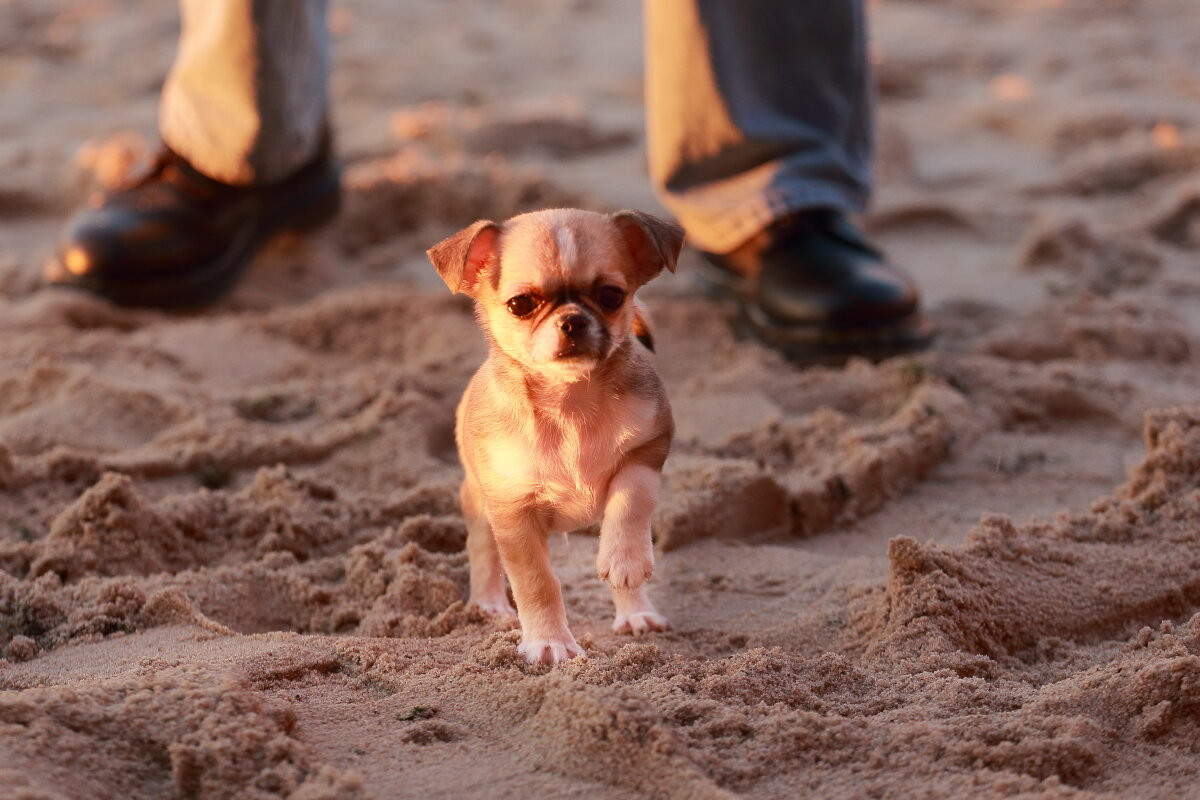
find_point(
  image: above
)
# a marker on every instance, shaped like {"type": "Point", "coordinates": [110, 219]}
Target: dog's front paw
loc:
{"type": "Point", "coordinates": [625, 568]}
{"type": "Point", "coordinates": [639, 622]}
{"type": "Point", "coordinates": [550, 651]}
{"type": "Point", "coordinates": [497, 605]}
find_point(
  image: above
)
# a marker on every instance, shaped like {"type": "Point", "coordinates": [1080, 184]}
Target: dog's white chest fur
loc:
{"type": "Point", "coordinates": [561, 460]}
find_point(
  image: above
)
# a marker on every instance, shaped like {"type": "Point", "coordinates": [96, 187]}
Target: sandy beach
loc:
{"type": "Point", "coordinates": [231, 553]}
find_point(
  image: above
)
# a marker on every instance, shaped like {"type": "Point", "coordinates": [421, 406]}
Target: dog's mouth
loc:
{"type": "Point", "coordinates": [573, 341]}
{"type": "Point", "coordinates": [571, 351]}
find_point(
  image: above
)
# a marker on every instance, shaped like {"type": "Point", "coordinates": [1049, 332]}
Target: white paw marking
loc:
{"type": "Point", "coordinates": [640, 622]}
{"type": "Point", "coordinates": [625, 569]}
{"type": "Point", "coordinates": [497, 606]}
{"type": "Point", "coordinates": [549, 651]}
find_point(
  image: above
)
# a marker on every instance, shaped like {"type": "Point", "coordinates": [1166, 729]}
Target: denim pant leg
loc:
{"type": "Point", "coordinates": [247, 97]}
{"type": "Point", "coordinates": [756, 109]}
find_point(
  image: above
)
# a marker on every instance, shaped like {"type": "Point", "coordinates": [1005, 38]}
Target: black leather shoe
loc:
{"type": "Point", "coordinates": [174, 237]}
{"type": "Point", "coordinates": [814, 287]}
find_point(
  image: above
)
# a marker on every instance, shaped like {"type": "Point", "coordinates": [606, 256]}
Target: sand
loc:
{"type": "Point", "coordinates": [230, 549]}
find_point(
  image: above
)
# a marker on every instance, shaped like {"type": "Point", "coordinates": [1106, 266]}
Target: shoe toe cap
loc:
{"type": "Point", "coordinates": [880, 294]}
{"type": "Point", "coordinates": [869, 298]}
{"type": "Point", "coordinates": [103, 245]}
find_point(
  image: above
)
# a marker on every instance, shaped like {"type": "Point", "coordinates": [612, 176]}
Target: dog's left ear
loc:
{"type": "Point", "coordinates": [653, 243]}
{"type": "Point", "coordinates": [461, 258]}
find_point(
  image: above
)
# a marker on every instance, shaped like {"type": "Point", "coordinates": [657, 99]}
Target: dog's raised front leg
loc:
{"type": "Point", "coordinates": [487, 574]}
{"type": "Point", "coordinates": [626, 555]}
{"type": "Point", "coordinates": [545, 637]}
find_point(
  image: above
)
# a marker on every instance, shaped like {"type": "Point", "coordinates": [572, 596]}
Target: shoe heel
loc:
{"type": "Point", "coordinates": [718, 283]}
{"type": "Point", "coordinates": [317, 212]}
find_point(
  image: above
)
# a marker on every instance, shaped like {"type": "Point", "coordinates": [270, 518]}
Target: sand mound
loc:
{"type": "Point", "coordinates": [1099, 264]}
{"type": "Point", "coordinates": [638, 751]}
{"type": "Point", "coordinates": [180, 731]}
{"type": "Point", "coordinates": [1078, 129]}
{"type": "Point", "coordinates": [1178, 222]}
{"type": "Point", "coordinates": [1125, 166]}
{"type": "Point", "coordinates": [1130, 561]}
{"type": "Point", "coordinates": [1093, 330]}
{"type": "Point", "coordinates": [819, 448]}
{"type": "Point", "coordinates": [281, 553]}
{"type": "Point", "coordinates": [110, 530]}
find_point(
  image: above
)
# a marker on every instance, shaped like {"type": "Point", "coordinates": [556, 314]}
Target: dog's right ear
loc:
{"type": "Point", "coordinates": [461, 259]}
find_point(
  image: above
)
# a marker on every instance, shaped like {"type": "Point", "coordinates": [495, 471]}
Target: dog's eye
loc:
{"type": "Point", "coordinates": [610, 298]}
{"type": "Point", "coordinates": [522, 305]}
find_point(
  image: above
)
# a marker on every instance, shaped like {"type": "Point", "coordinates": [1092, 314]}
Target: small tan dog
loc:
{"type": "Point", "coordinates": [566, 422]}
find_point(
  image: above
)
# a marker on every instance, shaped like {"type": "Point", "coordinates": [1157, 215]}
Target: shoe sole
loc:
{"type": "Point", "coordinates": [204, 285]}
{"type": "Point", "coordinates": [815, 344]}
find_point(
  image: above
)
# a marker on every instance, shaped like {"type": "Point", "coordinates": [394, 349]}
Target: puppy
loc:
{"type": "Point", "coordinates": [566, 422]}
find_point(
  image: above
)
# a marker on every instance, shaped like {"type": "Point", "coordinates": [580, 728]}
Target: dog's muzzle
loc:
{"type": "Point", "coordinates": [578, 335]}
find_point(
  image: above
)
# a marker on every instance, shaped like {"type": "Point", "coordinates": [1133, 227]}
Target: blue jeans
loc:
{"type": "Point", "coordinates": [755, 108]}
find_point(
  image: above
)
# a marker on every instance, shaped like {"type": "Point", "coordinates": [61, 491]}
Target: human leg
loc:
{"type": "Point", "coordinates": [247, 153]}
{"type": "Point", "coordinates": [759, 127]}
{"type": "Point", "coordinates": [247, 98]}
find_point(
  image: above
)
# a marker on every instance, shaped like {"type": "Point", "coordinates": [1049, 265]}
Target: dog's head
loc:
{"type": "Point", "coordinates": [554, 289]}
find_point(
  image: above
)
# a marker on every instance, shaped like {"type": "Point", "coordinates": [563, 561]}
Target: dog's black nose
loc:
{"type": "Point", "coordinates": [573, 324]}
